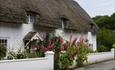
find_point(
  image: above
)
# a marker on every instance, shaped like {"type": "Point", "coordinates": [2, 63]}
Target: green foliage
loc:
{"type": "Point", "coordinates": [82, 55]}
{"type": "Point", "coordinates": [105, 37]}
{"type": "Point", "coordinates": [16, 55]}
{"type": "Point", "coordinates": [105, 21]}
{"type": "Point", "coordinates": [102, 48]}
{"type": "Point", "coordinates": [24, 54]}
{"type": "Point", "coordinates": [2, 51]}
{"type": "Point", "coordinates": [113, 45]}
{"type": "Point", "coordinates": [64, 61]}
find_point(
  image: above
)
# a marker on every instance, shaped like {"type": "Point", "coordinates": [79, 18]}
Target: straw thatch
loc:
{"type": "Point", "coordinates": [49, 11]}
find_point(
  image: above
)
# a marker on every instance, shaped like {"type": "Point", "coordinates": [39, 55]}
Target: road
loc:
{"type": "Point", "coordinates": [108, 65]}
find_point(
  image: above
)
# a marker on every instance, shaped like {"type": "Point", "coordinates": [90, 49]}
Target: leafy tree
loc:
{"type": "Point", "coordinates": [105, 21]}
{"type": "Point", "coordinates": [106, 38]}
{"type": "Point", "coordinates": [112, 25]}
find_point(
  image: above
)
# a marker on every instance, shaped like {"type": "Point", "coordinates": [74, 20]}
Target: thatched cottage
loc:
{"type": "Point", "coordinates": [21, 18]}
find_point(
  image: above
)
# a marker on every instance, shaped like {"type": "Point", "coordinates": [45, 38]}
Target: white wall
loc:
{"type": "Point", "coordinates": [16, 32]}
{"type": "Point", "coordinates": [45, 63]}
{"type": "Point", "coordinates": [99, 57]}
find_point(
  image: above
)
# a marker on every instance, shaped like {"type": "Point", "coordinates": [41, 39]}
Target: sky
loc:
{"type": "Point", "coordinates": [98, 7]}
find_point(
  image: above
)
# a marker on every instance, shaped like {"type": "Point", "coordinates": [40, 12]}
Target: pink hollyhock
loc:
{"type": "Point", "coordinates": [71, 39]}
{"type": "Point", "coordinates": [74, 41]}
{"type": "Point", "coordinates": [81, 40]}
{"type": "Point", "coordinates": [50, 47]}
{"type": "Point", "coordinates": [49, 42]}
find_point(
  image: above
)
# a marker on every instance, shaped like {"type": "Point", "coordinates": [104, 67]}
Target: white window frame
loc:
{"type": "Point", "coordinates": [30, 19]}
{"type": "Point", "coordinates": [64, 23]}
{"type": "Point", "coordinates": [8, 43]}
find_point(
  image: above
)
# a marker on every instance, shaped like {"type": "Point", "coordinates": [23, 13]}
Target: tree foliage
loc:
{"type": "Point", "coordinates": [105, 36]}
{"type": "Point", "coordinates": [105, 21]}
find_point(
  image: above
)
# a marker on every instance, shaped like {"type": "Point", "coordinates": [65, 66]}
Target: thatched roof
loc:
{"type": "Point", "coordinates": [50, 12]}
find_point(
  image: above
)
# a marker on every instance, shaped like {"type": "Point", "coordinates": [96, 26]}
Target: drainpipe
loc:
{"type": "Point", "coordinates": [114, 53]}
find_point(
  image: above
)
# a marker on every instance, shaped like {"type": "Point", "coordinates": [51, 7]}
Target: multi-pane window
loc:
{"type": "Point", "coordinates": [3, 42]}
{"type": "Point", "coordinates": [30, 19]}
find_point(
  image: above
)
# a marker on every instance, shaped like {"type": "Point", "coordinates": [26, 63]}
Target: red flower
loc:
{"type": "Point", "coordinates": [50, 47]}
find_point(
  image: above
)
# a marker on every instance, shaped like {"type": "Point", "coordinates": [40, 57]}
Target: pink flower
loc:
{"type": "Point", "coordinates": [81, 40]}
{"type": "Point", "coordinates": [74, 41]}
{"type": "Point", "coordinates": [50, 47]}
{"type": "Point", "coordinates": [71, 38]}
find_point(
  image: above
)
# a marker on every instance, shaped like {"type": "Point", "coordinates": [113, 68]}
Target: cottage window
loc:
{"type": "Point", "coordinates": [3, 42]}
{"type": "Point", "coordinates": [32, 17]}
{"type": "Point", "coordinates": [64, 22]}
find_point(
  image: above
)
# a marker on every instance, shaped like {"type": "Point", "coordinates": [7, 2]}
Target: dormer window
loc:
{"type": "Point", "coordinates": [64, 22]}
{"type": "Point", "coordinates": [91, 26]}
{"type": "Point", "coordinates": [31, 17]}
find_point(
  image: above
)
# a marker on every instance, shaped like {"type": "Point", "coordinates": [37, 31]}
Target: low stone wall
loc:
{"type": "Point", "coordinates": [99, 57]}
{"type": "Point", "coordinates": [45, 63]}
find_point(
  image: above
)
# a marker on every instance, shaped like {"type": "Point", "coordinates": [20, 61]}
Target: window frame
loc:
{"type": "Point", "coordinates": [31, 17]}
{"type": "Point", "coordinates": [64, 22]}
{"type": "Point", "coordinates": [3, 42]}
{"type": "Point", "coordinates": [8, 44]}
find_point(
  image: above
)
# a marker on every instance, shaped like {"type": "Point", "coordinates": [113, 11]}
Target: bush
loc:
{"type": "Point", "coordinates": [14, 55]}
{"type": "Point", "coordinates": [113, 45]}
{"type": "Point", "coordinates": [106, 38]}
{"type": "Point", "coordinates": [102, 48]}
{"type": "Point", "coordinates": [82, 54]}
{"type": "Point", "coordinates": [2, 51]}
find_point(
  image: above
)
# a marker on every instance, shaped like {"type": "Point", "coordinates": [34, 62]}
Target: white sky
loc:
{"type": "Point", "coordinates": [98, 7]}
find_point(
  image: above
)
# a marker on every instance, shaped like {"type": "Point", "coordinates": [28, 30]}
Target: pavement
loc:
{"type": "Point", "coordinates": [108, 65]}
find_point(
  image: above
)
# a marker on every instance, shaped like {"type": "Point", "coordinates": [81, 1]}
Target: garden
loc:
{"type": "Point", "coordinates": [67, 53]}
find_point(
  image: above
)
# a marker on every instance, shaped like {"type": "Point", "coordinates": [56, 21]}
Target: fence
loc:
{"type": "Point", "coordinates": [45, 63]}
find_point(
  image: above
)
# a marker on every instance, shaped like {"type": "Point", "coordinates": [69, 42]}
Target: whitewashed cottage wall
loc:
{"type": "Point", "coordinates": [15, 34]}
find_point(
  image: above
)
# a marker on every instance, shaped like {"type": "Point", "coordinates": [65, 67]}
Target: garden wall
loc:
{"type": "Point", "coordinates": [45, 63]}
{"type": "Point", "coordinates": [99, 57]}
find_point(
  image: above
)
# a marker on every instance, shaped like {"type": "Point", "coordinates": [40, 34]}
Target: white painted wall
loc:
{"type": "Point", "coordinates": [99, 57]}
{"type": "Point", "coordinates": [46, 63]}
{"type": "Point", "coordinates": [15, 34]}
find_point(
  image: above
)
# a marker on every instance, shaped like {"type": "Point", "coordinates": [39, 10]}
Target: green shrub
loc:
{"type": "Point", "coordinates": [82, 54]}
{"type": "Point", "coordinates": [2, 51]}
{"type": "Point", "coordinates": [64, 61]}
{"type": "Point", "coordinates": [14, 55]}
{"type": "Point", "coordinates": [102, 48]}
{"type": "Point", "coordinates": [113, 45]}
